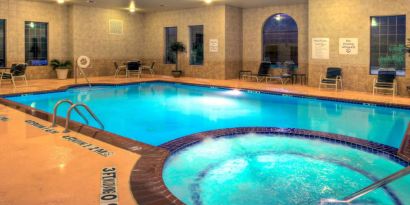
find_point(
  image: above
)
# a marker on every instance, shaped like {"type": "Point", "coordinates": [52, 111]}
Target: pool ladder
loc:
{"type": "Point", "coordinates": [73, 107]}
{"type": "Point", "coordinates": [349, 199]}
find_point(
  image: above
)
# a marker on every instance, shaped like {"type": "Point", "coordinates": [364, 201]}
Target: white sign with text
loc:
{"type": "Point", "coordinates": [213, 45]}
{"type": "Point", "coordinates": [320, 48]}
{"type": "Point", "coordinates": [348, 46]}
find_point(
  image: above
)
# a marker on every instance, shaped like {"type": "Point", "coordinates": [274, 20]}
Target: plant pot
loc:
{"type": "Point", "coordinates": [176, 73]}
{"type": "Point", "coordinates": [62, 74]}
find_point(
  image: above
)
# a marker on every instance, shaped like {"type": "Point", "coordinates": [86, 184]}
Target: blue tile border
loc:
{"type": "Point", "coordinates": [352, 142]}
{"type": "Point", "coordinates": [261, 91]}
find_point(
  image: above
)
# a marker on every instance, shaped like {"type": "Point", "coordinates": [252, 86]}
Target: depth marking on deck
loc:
{"type": "Point", "coordinates": [41, 127]}
{"type": "Point", "coordinates": [94, 148]}
{"type": "Point", "coordinates": [3, 118]}
{"type": "Point", "coordinates": [109, 193]}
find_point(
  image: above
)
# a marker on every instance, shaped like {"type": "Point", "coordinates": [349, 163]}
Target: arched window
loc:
{"type": "Point", "coordinates": [280, 39]}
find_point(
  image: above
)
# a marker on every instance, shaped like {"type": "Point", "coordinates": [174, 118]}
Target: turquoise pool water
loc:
{"type": "Point", "coordinates": [276, 169]}
{"type": "Point", "coordinates": [158, 112]}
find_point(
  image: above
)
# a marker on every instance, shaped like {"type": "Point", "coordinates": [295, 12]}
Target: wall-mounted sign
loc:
{"type": "Point", "coordinates": [348, 46]}
{"type": "Point", "coordinates": [41, 127]}
{"type": "Point", "coordinates": [101, 151]}
{"type": "Point", "coordinates": [109, 194]}
{"type": "Point", "coordinates": [320, 48]}
{"type": "Point", "coordinates": [213, 45]}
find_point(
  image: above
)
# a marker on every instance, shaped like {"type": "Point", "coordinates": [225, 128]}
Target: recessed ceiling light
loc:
{"type": "Point", "coordinates": [208, 1]}
{"type": "Point", "coordinates": [60, 1]}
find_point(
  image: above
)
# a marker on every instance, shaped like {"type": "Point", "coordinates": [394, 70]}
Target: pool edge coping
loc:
{"type": "Point", "coordinates": [179, 144]}
{"type": "Point", "coordinates": [264, 91]}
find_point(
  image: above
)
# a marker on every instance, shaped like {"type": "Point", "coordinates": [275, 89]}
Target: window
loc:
{"type": "Point", "coordinates": [280, 39]}
{"type": "Point", "coordinates": [2, 43]}
{"type": "Point", "coordinates": [36, 43]}
{"type": "Point", "coordinates": [387, 43]}
{"type": "Point", "coordinates": [170, 38]}
{"type": "Point", "coordinates": [196, 45]}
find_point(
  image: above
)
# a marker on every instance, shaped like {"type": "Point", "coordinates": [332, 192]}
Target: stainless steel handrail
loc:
{"type": "Point", "coordinates": [372, 187]}
{"type": "Point", "coordinates": [88, 110]}
{"type": "Point", "coordinates": [55, 111]}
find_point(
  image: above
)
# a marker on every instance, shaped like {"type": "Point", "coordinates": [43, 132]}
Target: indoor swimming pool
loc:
{"type": "Point", "coordinates": [158, 112]}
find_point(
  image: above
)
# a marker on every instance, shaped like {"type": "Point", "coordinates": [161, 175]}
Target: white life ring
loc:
{"type": "Point", "coordinates": [83, 62]}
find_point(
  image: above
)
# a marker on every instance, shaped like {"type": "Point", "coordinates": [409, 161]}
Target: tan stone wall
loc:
{"type": "Point", "coordinates": [351, 19]}
{"type": "Point", "coordinates": [213, 20]}
{"type": "Point", "coordinates": [253, 21]}
{"type": "Point", "coordinates": [91, 37]}
{"type": "Point", "coordinates": [233, 45]}
{"type": "Point", "coordinates": [16, 13]}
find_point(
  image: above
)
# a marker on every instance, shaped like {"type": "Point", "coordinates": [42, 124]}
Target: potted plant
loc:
{"type": "Point", "coordinates": [408, 46]}
{"type": "Point", "coordinates": [177, 47]}
{"type": "Point", "coordinates": [61, 68]}
{"type": "Point", "coordinates": [395, 59]}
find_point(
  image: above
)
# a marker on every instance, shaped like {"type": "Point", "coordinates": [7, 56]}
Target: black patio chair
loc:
{"type": "Point", "coordinates": [17, 71]}
{"type": "Point", "coordinates": [134, 67]}
{"type": "Point", "coordinates": [333, 78]}
{"type": "Point", "coordinates": [386, 80]}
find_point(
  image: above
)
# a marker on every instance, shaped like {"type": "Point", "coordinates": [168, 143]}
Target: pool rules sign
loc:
{"type": "Point", "coordinates": [109, 193]}
{"type": "Point", "coordinates": [348, 46]}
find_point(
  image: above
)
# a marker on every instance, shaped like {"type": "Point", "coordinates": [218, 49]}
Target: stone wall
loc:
{"type": "Point", "coordinates": [213, 20]}
{"type": "Point", "coordinates": [16, 13]}
{"type": "Point", "coordinates": [253, 22]}
{"type": "Point", "coordinates": [233, 44]}
{"type": "Point", "coordinates": [80, 30]}
{"type": "Point", "coordinates": [351, 19]}
{"type": "Point", "coordinates": [91, 37]}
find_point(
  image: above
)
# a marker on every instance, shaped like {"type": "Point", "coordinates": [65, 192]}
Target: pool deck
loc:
{"type": "Point", "coordinates": [43, 168]}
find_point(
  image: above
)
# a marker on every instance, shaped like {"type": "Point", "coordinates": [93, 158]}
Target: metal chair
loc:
{"type": "Point", "coordinates": [263, 73]}
{"type": "Point", "coordinates": [149, 68]}
{"type": "Point", "coordinates": [16, 72]}
{"type": "Point", "coordinates": [118, 69]}
{"type": "Point", "coordinates": [333, 78]}
{"type": "Point", "coordinates": [386, 80]}
{"type": "Point", "coordinates": [133, 67]}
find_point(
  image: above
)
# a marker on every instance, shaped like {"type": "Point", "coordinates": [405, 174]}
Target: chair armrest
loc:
{"type": "Point", "coordinates": [330, 78]}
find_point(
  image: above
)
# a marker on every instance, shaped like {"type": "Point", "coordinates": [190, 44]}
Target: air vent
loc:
{"type": "Point", "coordinates": [116, 27]}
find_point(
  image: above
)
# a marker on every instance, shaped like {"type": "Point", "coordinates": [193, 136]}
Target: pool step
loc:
{"type": "Point", "coordinates": [405, 146]}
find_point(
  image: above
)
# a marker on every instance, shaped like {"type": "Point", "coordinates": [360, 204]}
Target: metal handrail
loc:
{"type": "Point", "coordinates": [372, 187]}
{"type": "Point", "coordinates": [88, 110]}
{"type": "Point", "coordinates": [55, 111]}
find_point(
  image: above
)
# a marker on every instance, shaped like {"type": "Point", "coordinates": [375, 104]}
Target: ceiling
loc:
{"type": "Point", "coordinates": [162, 5]}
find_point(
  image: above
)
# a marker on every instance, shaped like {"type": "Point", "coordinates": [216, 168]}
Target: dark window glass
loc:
{"type": "Point", "coordinates": [36, 43]}
{"type": "Point", "coordinates": [170, 38]}
{"type": "Point", "coordinates": [280, 39]}
{"type": "Point", "coordinates": [196, 45]}
{"type": "Point", "coordinates": [387, 43]}
{"type": "Point", "coordinates": [2, 43]}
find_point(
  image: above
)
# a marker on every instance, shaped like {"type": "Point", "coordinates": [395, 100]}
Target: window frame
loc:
{"type": "Point", "coordinates": [47, 41]}
{"type": "Point", "coordinates": [166, 44]}
{"type": "Point", "coordinates": [191, 43]}
{"type": "Point", "coordinates": [4, 41]}
{"type": "Point", "coordinates": [371, 43]}
{"type": "Point", "coordinates": [264, 38]}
